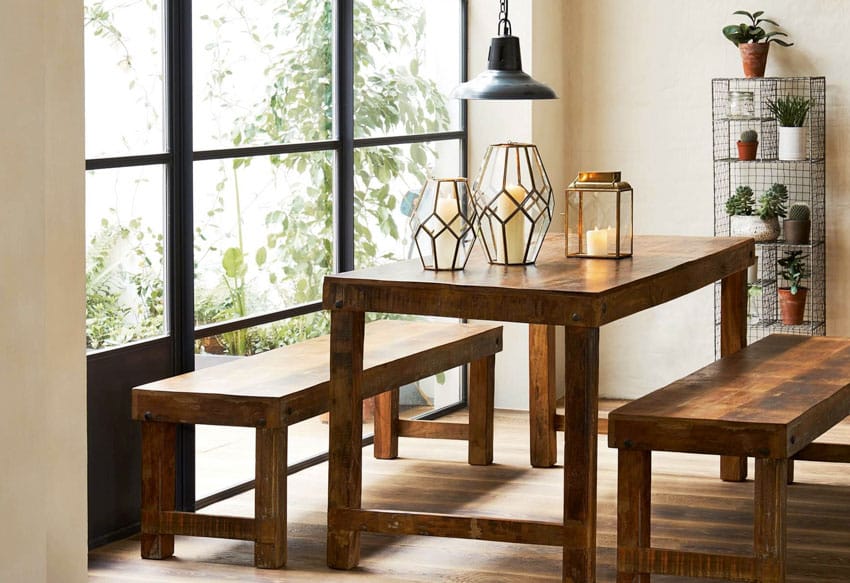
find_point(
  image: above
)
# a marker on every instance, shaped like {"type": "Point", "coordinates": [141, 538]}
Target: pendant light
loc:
{"type": "Point", "coordinates": [504, 78]}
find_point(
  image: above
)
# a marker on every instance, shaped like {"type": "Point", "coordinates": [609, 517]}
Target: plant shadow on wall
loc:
{"type": "Point", "coordinates": [264, 228]}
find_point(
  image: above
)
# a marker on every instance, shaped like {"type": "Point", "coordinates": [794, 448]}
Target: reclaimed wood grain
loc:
{"type": "Point", "coordinates": [692, 511]}
{"type": "Point", "coordinates": [541, 395]}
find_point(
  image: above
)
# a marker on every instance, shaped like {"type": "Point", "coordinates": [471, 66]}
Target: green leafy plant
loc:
{"type": "Point", "coordinates": [799, 212]}
{"type": "Point", "coordinates": [749, 136]}
{"type": "Point", "coordinates": [794, 269]}
{"type": "Point", "coordinates": [772, 202]}
{"type": "Point", "coordinates": [790, 111]}
{"type": "Point", "coordinates": [741, 203]}
{"type": "Point", "coordinates": [753, 32]}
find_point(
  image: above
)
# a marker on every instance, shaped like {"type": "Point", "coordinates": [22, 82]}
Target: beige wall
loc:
{"type": "Point", "coordinates": [43, 416]}
{"type": "Point", "coordinates": [538, 122]}
{"type": "Point", "coordinates": [634, 80]}
{"type": "Point", "coordinates": [638, 100]}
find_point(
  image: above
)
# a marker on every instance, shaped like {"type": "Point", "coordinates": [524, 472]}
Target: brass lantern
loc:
{"type": "Point", "coordinates": [600, 216]}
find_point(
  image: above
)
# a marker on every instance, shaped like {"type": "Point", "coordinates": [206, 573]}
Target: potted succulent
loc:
{"type": "Point", "coordinates": [761, 222]}
{"type": "Point", "coordinates": [792, 299]}
{"type": "Point", "coordinates": [754, 41]}
{"type": "Point", "coordinates": [748, 145]}
{"type": "Point", "coordinates": [797, 226]}
{"type": "Point", "coordinates": [790, 112]}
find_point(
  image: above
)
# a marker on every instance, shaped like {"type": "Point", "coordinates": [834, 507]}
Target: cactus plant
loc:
{"type": "Point", "coordinates": [749, 136]}
{"type": "Point", "coordinates": [799, 212]}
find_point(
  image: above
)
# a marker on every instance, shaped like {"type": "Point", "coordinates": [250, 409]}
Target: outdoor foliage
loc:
{"type": "Point", "coordinates": [235, 275]}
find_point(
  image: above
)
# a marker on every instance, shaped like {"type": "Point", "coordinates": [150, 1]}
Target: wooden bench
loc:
{"type": "Point", "coordinates": [273, 390]}
{"type": "Point", "coordinates": [768, 401]}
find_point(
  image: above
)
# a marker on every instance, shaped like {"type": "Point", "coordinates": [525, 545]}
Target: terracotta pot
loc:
{"type": "Point", "coordinates": [796, 232]}
{"type": "Point", "coordinates": [754, 58]}
{"type": "Point", "coordinates": [792, 306]}
{"type": "Point", "coordinates": [747, 150]}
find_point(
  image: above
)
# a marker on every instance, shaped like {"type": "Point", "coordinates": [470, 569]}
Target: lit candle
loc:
{"type": "Point", "coordinates": [512, 249]}
{"type": "Point", "coordinates": [446, 243]}
{"type": "Point", "coordinates": [597, 242]}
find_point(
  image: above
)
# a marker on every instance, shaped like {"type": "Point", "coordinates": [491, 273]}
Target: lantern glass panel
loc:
{"type": "Point", "coordinates": [626, 221]}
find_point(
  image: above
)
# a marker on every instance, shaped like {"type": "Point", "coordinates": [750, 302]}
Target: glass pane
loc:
{"type": "Point", "coordinates": [406, 63]}
{"type": "Point", "coordinates": [263, 234]}
{"type": "Point", "coordinates": [262, 72]}
{"type": "Point", "coordinates": [124, 77]}
{"type": "Point", "coordinates": [124, 255]}
{"type": "Point", "coordinates": [387, 179]}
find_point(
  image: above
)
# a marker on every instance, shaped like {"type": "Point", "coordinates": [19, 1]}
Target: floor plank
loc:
{"type": "Point", "coordinates": [692, 510]}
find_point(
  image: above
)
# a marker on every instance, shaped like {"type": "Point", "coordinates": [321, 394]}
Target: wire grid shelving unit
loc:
{"type": "Point", "coordinates": [806, 182]}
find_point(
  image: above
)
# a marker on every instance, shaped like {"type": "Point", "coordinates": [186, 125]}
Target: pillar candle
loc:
{"type": "Point", "coordinates": [512, 248]}
{"type": "Point", "coordinates": [446, 243]}
{"type": "Point", "coordinates": [597, 242]}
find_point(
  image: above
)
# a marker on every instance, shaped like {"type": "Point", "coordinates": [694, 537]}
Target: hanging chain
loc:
{"type": "Point", "coordinates": [504, 28]}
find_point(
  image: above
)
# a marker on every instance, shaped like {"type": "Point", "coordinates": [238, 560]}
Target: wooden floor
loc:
{"type": "Point", "coordinates": [691, 510]}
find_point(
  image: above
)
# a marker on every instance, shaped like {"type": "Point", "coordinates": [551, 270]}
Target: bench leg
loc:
{"type": "Point", "coordinates": [386, 425]}
{"type": "Point", "coordinates": [270, 499]}
{"type": "Point", "coordinates": [634, 482]}
{"type": "Point", "coordinates": [158, 486]}
{"type": "Point", "coordinates": [771, 492]}
{"type": "Point", "coordinates": [482, 380]}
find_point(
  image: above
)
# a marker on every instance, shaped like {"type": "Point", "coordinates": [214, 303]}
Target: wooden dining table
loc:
{"type": "Point", "coordinates": [577, 293]}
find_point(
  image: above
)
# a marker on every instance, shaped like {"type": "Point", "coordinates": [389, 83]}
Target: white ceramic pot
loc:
{"type": "Point", "coordinates": [793, 143]}
{"type": "Point", "coordinates": [754, 226]}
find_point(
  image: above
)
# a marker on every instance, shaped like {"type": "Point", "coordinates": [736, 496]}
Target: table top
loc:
{"type": "Point", "coordinates": [555, 290]}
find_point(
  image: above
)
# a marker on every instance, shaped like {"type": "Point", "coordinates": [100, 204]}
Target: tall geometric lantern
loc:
{"type": "Point", "coordinates": [513, 203]}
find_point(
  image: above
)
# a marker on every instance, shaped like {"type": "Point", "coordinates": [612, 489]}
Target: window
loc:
{"type": "Point", "coordinates": [239, 151]}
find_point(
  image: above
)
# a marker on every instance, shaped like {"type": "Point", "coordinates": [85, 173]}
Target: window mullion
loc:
{"type": "Point", "coordinates": [344, 129]}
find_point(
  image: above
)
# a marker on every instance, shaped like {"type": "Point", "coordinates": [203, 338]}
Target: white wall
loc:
{"type": "Point", "coordinates": [634, 80]}
{"type": "Point", "coordinates": [43, 415]}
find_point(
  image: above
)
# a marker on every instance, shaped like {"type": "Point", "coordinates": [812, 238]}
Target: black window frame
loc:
{"type": "Point", "coordinates": [178, 161]}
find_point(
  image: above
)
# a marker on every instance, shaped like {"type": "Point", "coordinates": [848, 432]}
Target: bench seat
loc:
{"type": "Point", "coordinates": [275, 389]}
{"type": "Point", "coordinates": [768, 401]}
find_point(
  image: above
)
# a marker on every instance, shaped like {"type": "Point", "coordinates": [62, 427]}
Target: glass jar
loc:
{"type": "Point", "coordinates": [741, 104]}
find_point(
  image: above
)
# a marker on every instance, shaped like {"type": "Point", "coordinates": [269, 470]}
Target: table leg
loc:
{"type": "Point", "coordinates": [346, 428]}
{"type": "Point", "coordinates": [541, 395]}
{"type": "Point", "coordinates": [580, 438]}
{"type": "Point", "coordinates": [733, 337]}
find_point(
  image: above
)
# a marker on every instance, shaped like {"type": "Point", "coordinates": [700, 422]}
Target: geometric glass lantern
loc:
{"type": "Point", "coordinates": [513, 203]}
{"type": "Point", "coordinates": [442, 224]}
{"type": "Point", "coordinates": [600, 216]}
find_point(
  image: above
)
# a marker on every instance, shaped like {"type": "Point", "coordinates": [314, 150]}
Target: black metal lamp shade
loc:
{"type": "Point", "coordinates": [504, 78]}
